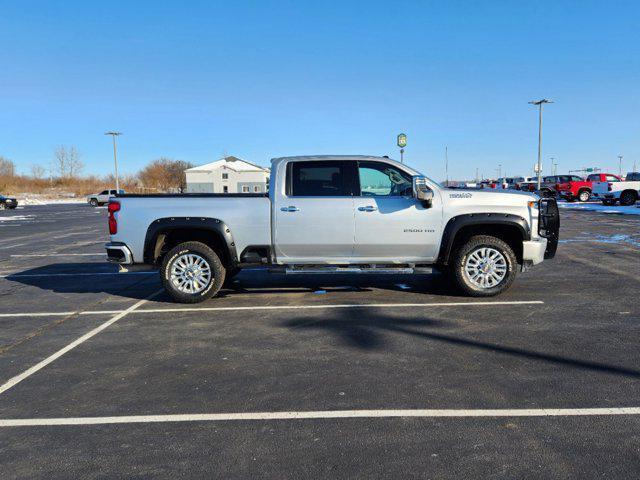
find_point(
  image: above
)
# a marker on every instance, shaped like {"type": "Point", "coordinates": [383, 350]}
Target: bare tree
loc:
{"type": "Point", "coordinates": [37, 172]}
{"type": "Point", "coordinates": [75, 165]}
{"type": "Point", "coordinates": [68, 161]}
{"type": "Point", "coordinates": [164, 174]}
{"type": "Point", "coordinates": [7, 167]}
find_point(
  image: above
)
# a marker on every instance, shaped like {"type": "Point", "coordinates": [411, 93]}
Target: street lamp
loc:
{"type": "Point", "coordinates": [554, 166]}
{"type": "Point", "coordinates": [115, 157]}
{"type": "Point", "coordinates": [620, 165]}
{"type": "Point", "coordinates": [540, 103]}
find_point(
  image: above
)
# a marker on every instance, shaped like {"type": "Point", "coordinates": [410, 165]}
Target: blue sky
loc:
{"type": "Point", "coordinates": [197, 80]}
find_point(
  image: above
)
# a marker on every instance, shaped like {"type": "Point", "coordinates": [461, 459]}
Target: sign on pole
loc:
{"type": "Point", "coordinates": [402, 140]}
{"type": "Point", "coordinates": [535, 168]}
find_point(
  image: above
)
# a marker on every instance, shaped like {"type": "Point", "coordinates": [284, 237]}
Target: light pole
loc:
{"type": "Point", "coordinates": [620, 166]}
{"type": "Point", "coordinates": [115, 157]}
{"type": "Point", "coordinates": [446, 163]}
{"type": "Point", "coordinates": [540, 103]}
{"type": "Point", "coordinates": [554, 166]}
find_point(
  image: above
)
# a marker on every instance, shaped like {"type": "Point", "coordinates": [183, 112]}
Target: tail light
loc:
{"type": "Point", "coordinates": [113, 223]}
{"type": "Point", "coordinates": [609, 187]}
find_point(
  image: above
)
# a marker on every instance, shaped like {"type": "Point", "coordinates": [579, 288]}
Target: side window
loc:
{"type": "Point", "coordinates": [225, 176]}
{"type": "Point", "coordinates": [245, 189]}
{"type": "Point", "coordinates": [379, 179]}
{"type": "Point", "coordinates": [256, 188]}
{"type": "Point", "coordinates": [318, 179]}
{"type": "Point", "coordinates": [611, 178]}
{"type": "Point", "coordinates": [593, 178]}
{"type": "Point", "coordinates": [575, 178]}
{"type": "Point", "coordinates": [104, 192]}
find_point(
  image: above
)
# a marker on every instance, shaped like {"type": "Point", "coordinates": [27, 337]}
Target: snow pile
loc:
{"type": "Point", "coordinates": [34, 200]}
{"type": "Point", "coordinates": [17, 217]}
{"type": "Point", "coordinates": [598, 207]}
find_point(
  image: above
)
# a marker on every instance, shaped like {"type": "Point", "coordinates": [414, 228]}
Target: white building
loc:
{"type": "Point", "coordinates": [227, 175]}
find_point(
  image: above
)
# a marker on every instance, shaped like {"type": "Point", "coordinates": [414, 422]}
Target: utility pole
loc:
{"type": "Point", "coordinates": [554, 165]}
{"type": "Point", "coordinates": [540, 103]}
{"type": "Point", "coordinates": [499, 170]}
{"type": "Point", "coordinates": [115, 157]}
{"type": "Point", "coordinates": [446, 163]}
{"type": "Point", "coordinates": [477, 175]}
{"type": "Point", "coordinates": [620, 166]}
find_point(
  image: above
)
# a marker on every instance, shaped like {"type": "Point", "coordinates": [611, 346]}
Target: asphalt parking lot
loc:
{"type": "Point", "coordinates": [316, 376]}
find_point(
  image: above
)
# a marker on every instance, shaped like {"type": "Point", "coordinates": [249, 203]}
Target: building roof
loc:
{"type": "Point", "coordinates": [232, 163]}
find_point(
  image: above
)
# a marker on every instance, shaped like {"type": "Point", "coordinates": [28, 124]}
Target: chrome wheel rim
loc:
{"type": "Point", "coordinates": [190, 273]}
{"type": "Point", "coordinates": [485, 267]}
{"type": "Point", "coordinates": [584, 196]}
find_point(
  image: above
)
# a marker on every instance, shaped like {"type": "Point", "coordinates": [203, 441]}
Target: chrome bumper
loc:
{"type": "Point", "coordinates": [119, 253]}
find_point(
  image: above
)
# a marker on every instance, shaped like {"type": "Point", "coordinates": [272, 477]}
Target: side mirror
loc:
{"type": "Point", "coordinates": [421, 191]}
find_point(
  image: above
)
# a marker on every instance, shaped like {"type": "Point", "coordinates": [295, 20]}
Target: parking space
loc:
{"type": "Point", "coordinates": [396, 375]}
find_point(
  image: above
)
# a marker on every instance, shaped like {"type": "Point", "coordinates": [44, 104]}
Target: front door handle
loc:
{"type": "Point", "coordinates": [368, 208]}
{"type": "Point", "coordinates": [290, 208]}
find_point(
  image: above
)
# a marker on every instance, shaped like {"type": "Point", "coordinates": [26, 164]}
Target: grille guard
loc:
{"type": "Point", "coordinates": [549, 225]}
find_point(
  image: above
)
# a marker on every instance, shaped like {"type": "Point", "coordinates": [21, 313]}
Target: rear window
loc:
{"type": "Point", "coordinates": [318, 179]}
{"type": "Point", "coordinates": [632, 177]}
{"type": "Point", "coordinates": [593, 178]}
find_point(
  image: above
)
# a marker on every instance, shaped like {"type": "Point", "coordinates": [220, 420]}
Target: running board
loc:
{"type": "Point", "coordinates": [353, 270]}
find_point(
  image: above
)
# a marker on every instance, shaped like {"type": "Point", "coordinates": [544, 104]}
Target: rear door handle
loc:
{"type": "Point", "coordinates": [368, 208]}
{"type": "Point", "coordinates": [290, 208]}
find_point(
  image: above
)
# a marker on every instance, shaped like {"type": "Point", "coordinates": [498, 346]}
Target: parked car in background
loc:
{"type": "Point", "coordinates": [527, 184]}
{"type": "Point", "coordinates": [580, 189]}
{"type": "Point", "coordinates": [102, 198]}
{"type": "Point", "coordinates": [510, 182]}
{"type": "Point", "coordinates": [6, 202]}
{"type": "Point", "coordinates": [549, 184]}
{"type": "Point", "coordinates": [625, 191]}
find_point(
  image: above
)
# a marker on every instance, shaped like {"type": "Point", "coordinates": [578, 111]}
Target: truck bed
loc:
{"type": "Point", "coordinates": [247, 215]}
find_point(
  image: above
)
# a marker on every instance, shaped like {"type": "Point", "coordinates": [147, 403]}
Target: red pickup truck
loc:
{"type": "Point", "coordinates": [580, 189]}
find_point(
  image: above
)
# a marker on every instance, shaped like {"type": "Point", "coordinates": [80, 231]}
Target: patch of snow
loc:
{"type": "Point", "coordinates": [49, 201]}
{"type": "Point", "coordinates": [17, 217]}
{"type": "Point", "coordinates": [598, 207]}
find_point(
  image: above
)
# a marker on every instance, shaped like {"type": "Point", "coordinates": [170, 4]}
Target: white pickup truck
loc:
{"type": "Point", "coordinates": [342, 214]}
{"type": "Point", "coordinates": [626, 192]}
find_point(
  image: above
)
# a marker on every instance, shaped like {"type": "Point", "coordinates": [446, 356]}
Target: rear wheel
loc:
{"type": "Point", "coordinates": [192, 272]}
{"type": "Point", "coordinates": [628, 198]}
{"type": "Point", "coordinates": [608, 203]}
{"type": "Point", "coordinates": [484, 266]}
{"type": "Point", "coordinates": [93, 202]}
{"type": "Point", "coordinates": [584, 195]}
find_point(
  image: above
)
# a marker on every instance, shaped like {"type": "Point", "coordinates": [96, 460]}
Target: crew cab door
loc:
{"type": "Point", "coordinates": [314, 213]}
{"type": "Point", "coordinates": [390, 224]}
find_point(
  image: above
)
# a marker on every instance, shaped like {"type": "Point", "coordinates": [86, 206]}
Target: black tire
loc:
{"type": "Point", "coordinates": [212, 260]}
{"type": "Point", "coordinates": [459, 261]}
{"type": "Point", "coordinates": [571, 199]}
{"type": "Point", "coordinates": [584, 195]}
{"type": "Point", "coordinates": [628, 198]}
{"type": "Point", "coordinates": [608, 203]}
{"type": "Point", "coordinates": [93, 202]}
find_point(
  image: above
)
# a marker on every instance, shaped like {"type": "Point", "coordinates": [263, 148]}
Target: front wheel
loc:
{"type": "Point", "coordinates": [484, 266]}
{"type": "Point", "coordinates": [192, 272]}
{"type": "Point", "coordinates": [627, 198]}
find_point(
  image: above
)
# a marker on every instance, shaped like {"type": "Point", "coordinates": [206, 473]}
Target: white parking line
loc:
{"type": "Point", "coordinates": [326, 414]}
{"type": "Point", "coordinates": [27, 275]}
{"type": "Point", "coordinates": [276, 307]}
{"type": "Point", "coordinates": [38, 366]}
{"type": "Point", "coordinates": [61, 255]}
